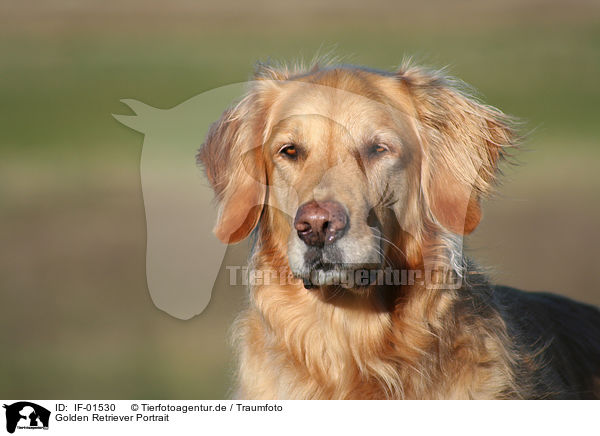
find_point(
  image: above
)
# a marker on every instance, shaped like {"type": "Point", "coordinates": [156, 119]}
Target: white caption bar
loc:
{"type": "Point", "coordinates": [306, 418]}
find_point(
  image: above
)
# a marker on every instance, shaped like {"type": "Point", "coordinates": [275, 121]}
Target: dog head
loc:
{"type": "Point", "coordinates": [349, 169]}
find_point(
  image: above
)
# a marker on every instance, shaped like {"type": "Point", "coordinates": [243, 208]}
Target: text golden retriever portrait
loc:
{"type": "Point", "coordinates": [359, 186]}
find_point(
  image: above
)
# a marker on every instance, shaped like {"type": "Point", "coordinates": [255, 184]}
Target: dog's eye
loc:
{"type": "Point", "coordinates": [289, 151]}
{"type": "Point", "coordinates": [378, 149]}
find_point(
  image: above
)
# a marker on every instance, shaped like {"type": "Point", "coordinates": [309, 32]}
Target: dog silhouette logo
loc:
{"type": "Point", "coordinates": [26, 415]}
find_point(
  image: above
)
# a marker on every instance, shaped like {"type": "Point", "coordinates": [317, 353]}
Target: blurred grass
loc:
{"type": "Point", "coordinates": [76, 318]}
{"type": "Point", "coordinates": [59, 89]}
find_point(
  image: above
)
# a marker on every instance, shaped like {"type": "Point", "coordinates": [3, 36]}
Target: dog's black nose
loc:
{"type": "Point", "coordinates": [321, 223]}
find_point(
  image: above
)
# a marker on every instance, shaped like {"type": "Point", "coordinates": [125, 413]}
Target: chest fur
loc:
{"type": "Point", "coordinates": [293, 345]}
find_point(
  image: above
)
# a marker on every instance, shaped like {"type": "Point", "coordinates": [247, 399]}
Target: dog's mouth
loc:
{"type": "Point", "coordinates": [342, 276]}
{"type": "Point", "coordinates": [324, 258]}
{"type": "Point", "coordinates": [324, 267]}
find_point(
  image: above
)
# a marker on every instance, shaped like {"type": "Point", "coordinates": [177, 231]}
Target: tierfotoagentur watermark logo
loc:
{"type": "Point", "coordinates": [183, 256]}
{"type": "Point", "coordinates": [433, 279]}
{"type": "Point", "coordinates": [25, 415]}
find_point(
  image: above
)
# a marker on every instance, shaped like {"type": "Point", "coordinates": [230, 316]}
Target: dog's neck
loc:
{"type": "Point", "coordinates": [363, 343]}
{"type": "Point", "coordinates": [327, 331]}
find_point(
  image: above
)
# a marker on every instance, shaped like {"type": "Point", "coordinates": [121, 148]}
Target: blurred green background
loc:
{"type": "Point", "coordinates": [76, 320]}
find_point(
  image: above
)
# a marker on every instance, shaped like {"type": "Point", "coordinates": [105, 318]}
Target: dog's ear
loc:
{"type": "Point", "coordinates": [234, 164]}
{"type": "Point", "coordinates": [462, 140]}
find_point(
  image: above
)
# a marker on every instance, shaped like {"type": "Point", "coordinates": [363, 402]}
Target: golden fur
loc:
{"type": "Point", "coordinates": [411, 341]}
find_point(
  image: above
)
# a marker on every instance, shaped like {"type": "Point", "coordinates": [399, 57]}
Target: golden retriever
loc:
{"type": "Point", "coordinates": [359, 186]}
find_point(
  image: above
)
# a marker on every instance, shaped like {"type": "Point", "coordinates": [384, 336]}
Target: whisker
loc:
{"type": "Point", "coordinates": [391, 243]}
